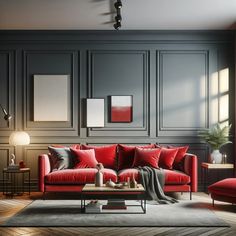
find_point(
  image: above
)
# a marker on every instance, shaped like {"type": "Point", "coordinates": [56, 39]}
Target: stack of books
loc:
{"type": "Point", "coordinates": [115, 204]}
{"type": "Point", "coordinates": [93, 207]}
{"type": "Point", "coordinates": [13, 167]}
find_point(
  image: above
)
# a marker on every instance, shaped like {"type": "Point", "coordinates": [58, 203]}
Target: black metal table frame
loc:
{"type": "Point", "coordinates": [85, 196]}
{"type": "Point", "coordinates": [14, 186]}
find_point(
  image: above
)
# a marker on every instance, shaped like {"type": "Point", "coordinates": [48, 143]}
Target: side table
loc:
{"type": "Point", "coordinates": [11, 183]}
{"type": "Point", "coordinates": [207, 167]}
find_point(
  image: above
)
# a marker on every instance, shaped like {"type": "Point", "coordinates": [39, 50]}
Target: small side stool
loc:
{"type": "Point", "coordinates": [223, 190]}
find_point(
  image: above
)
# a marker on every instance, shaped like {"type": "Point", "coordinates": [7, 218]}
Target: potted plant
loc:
{"type": "Point", "coordinates": [216, 137]}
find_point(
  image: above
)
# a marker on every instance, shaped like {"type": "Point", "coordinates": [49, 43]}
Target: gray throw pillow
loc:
{"type": "Point", "coordinates": [61, 158]}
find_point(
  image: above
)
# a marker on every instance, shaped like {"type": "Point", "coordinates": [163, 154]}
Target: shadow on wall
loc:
{"type": "Point", "coordinates": [111, 13]}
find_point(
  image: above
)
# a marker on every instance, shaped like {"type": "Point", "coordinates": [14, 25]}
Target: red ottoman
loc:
{"type": "Point", "coordinates": [224, 190]}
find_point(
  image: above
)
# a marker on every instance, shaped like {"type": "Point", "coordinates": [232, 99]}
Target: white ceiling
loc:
{"type": "Point", "coordinates": [136, 14]}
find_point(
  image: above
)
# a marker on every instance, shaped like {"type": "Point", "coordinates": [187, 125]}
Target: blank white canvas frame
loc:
{"type": "Point", "coordinates": [51, 97]}
{"type": "Point", "coordinates": [95, 112]}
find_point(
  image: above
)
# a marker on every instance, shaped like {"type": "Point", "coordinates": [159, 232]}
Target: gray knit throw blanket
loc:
{"type": "Point", "coordinates": [153, 181]}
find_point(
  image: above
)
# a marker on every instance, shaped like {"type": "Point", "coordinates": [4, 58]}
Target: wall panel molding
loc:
{"type": "Point", "coordinates": [171, 92]}
{"type": "Point", "coordinates": [70, 128]}
{"type": "Point", "coordinates": [122, 129]}
{"type": "Point", "coordinates": [5, 152]}
{"type": "Point", "coordinates": [7, 96]}
{"type": "Point", "coordinates": [30, 158]}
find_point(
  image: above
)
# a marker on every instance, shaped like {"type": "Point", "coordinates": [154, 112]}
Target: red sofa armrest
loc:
{"type": "Point", "coordinates": [44, 169]}
{"type": "Point", "coordinates": [191, 169]}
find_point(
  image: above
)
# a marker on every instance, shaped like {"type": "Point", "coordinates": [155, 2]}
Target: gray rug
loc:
{"type": "Point", "coordinates": [67, 213]}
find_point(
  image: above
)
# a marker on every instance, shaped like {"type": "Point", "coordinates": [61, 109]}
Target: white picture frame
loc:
{"type": "Point", "coordinates": [51, 97]}
{"type": "Point", "coordinates": [95, 112]}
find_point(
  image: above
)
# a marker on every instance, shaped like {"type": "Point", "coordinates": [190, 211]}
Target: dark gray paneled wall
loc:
{"type": "Point", "coordinates": [174, 78]}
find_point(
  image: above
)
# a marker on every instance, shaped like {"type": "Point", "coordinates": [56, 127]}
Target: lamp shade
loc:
{"type": "Point", "coordinates": [19, 138]}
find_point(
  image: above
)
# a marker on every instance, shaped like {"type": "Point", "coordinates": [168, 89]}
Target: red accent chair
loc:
{"type": "Point", "coordinates": [223, 190]}
{"type": "Point", "coordinates": [73, 180]}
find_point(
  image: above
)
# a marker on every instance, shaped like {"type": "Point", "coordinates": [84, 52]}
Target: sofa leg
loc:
{"type": "Point", "coordinates": [44, 196]}
{"type": "Point", "coordinates": [213, 203]}
{"type": "Point", "coordinates": [190, 193]}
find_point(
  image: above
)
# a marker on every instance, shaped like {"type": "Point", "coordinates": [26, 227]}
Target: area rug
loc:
{"type": "Point", "coordinates": [67, 213]}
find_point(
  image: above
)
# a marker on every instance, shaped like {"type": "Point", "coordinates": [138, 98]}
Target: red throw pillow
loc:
{"type": "Point", "coordinates": [104, 154]}
{"type": "Point", "coordinates": [167, 158]}
{"type": "Point", "coordinates": [179, 156]}
{"type": "Point", "coordinates": [126, 155]}
{"type": "Point", "coordinates": [84, 158]}
{"type": "Point", "coordinates": [146, 157]}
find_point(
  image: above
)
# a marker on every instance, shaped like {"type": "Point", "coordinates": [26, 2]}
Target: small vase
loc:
{"type": "Point", "coordinates": [99, 179]}
{"type": "Point", "coordinates": [133, 183]}
{"type": "Point", "coordinates": [216, 157]}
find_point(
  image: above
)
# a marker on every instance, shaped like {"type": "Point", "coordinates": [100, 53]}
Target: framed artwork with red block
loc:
{"type": "Point", "coordinates": [122, 109]}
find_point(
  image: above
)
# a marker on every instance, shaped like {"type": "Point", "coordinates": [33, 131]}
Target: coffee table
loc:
{"type": "Point", "coordinates": [90, 192]}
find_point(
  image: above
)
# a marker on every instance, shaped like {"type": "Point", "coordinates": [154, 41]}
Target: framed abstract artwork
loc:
{"type": "Point", "coordinates": [51, 97]}
{"type": "Point", "coordinates": [95, 112]}
{"type": "Point", "coordinates": [121, 109]}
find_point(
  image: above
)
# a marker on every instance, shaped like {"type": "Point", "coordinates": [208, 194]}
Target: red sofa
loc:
{"type": "Point", "coordinates": [73, 180]}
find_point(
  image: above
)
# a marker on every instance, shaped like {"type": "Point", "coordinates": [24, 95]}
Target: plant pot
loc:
{"type": "Point", "coordinates": [216, 157]}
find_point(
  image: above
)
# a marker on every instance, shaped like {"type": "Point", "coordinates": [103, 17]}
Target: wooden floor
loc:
{"type": "Point", "coordinates": [9, 207]}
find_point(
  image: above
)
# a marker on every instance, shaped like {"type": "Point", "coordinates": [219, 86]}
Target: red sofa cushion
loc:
{"type": "Point", "coordinates": [173, 177]}
{"type": "Point", "coordinates": [167, 158]}
{"type": "Point", "coordinates": [126, 155]}
{"type": "Point", "coordinates": [84, 158]}
{"type": "Point", "coordinates": [123, 175]}
{"type": "Point", "coordinates": [225, 187]}
{"type": "Point", "coordinates": [178, 165]}
{"type": "Point", "coordinates": [146, 157]}
{"type": "Point", "coordinates": [104, 154]}
{"type": "Point", "coordinates": [78, 176]}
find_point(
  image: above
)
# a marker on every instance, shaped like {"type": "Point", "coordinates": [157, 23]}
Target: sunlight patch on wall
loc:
{"type": "Point", "coordinates": [224, 109]}
{"type": "Point", "coordinates": [202, 101]}
{"type": "Point", "coordinates": [224, 96]}
{"type": "Point", "coordinates": [219, 97]}
{"type": "Point", "coordinates": [214, 98]}
{"type": "Point", "coordinates": [224, 80]}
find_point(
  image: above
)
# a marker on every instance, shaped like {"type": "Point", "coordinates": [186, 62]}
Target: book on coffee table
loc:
{"type": "Point", "coordinates": [115, 204]}
{"type": "Point", "coordinates": [93, 207]}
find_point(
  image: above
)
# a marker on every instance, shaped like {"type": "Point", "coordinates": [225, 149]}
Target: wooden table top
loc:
{"type": "Point", "coordinates": [104, 188]}
{"type": "Point", "coordinates": [21, 170]}
{"type": "Point", "coordinates": [217, 166]}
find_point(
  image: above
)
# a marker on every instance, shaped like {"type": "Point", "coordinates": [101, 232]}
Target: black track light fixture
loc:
{"type": "Point", "coordinates": [118, 18]}
{"type": "Point", "coordinates": [118, 4]}
{"type": "Point", "coordinates": [117, 25]}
